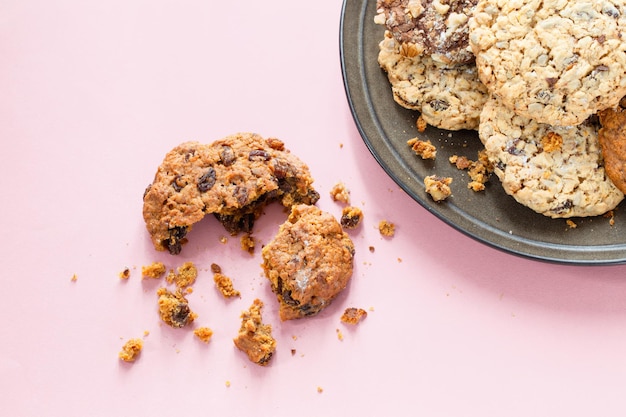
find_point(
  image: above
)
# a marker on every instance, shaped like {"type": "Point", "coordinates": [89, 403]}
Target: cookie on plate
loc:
{"type": "Point", "coordinates": [435, 28]}
{"type": "Point", "coordinates": [554, 61]}
{"type": "Point", "coordinates": [233, 178]}
{"type": "Point", "coordinates": [612, 137]}
{"type": "Point", "coordinates": [309, 262]}
{"type": "Point", "coordinates": [448, 97]}
{"type": "Point", "coordinates": [555, 171]}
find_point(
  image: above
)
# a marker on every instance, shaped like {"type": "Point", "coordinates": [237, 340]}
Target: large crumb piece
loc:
{"type": "Point", "coordinates": [203, 333]}
{"type": "Point", "coordinates": [340, 192]}
{"type": "Point", "coordinates": [438, 187]}
{"type": "Point", "coordinates": [154, 270]}
{"type": "Point", "coordinates": [223, 283]}
{"type": "Point", "coordinates": [424, 149]}
{"type": "Point", "coordinates": [174, 308]}
{"type": "Point", "coordinates": [184, 276]}
{"type": "Point", "coordinates": [386, 228]}
{"type": "Point", "coordinates": [479, 171]}
{"type": "Point", "coordinates": [353, 315]}
{"type": "Point", "coordinates": [248, 243]}
{"type": "Point", "coordinates": [351, 217]}
{"type": "Point", "coordinates": [255, 338]}
{"type": "Point", "coordinates": [131, 350]}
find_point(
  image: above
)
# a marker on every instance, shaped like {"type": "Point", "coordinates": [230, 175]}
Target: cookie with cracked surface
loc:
{"type": "Point", "coordinates": [448, 97]}
{"type": "Point", "coordinates": [233, 178]}
{"type": "Point", "coordinates": [612, 137]}
{"type": "Point", "coordinates": [309, 262]}
{"type": "Point", "coordinates": [435, 28]}
{"type": "Point", "coordinates": [554, 170]}
{"type": "Point", "coordinates": [554, 61]}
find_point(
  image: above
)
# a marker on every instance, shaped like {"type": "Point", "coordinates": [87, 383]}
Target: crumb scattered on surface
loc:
{"type": "Point", "coordinates": [386, 228]}
{"type": "Point", "coordinates": [423, 149]}
{"type": "Point", "coordinates": [174, 308]}
{"type": "Point", "coordinates": [479, 171]}
{"type": "Point", "coordinates": [340, 192]}
{"type": "Point", "coordinates": [611, 216]}
{"type": "Point", "coordinates": [227, 384]}
{"type": "Point", "coordinates": [372, 249]}
{"type": "Point", "coordinates": [351, 217]}
{"type": "Point", "coordinates": [352, 315]}
{"type": "Point", "coordinates": [154, 270]}
{"type": "Point", "coordinates": [293, 352]}
{"type": "Point", "coordinates": [421, 124]}
{"type": "Point", "coordinates": [255, 338]}
{"type": "Point", "coordinates": [146, 333]}
{"type": "Point", "coordinates": [225, 285]}
{"type": "Point", "coordinates": [571, 224]}
{"type": "Point", "coordinates": [223, 239]}
{"type": "Point", "coordinates": [339, 334]}
{"type": "Point", "coordinates": [438, 187]}
{"type": "Point", "coordinates": [203, 333]}
{"type": "Point", "coordinates": [320, 389]}
{"type": "Point", "coordinates": [248, 243]}
{"type": "Point", "coordinates": [74, 278]}
{"type": "Point", "coordinates": [184, 276]}
{"type": "Point", "coordinates": [131, 350]}
{"type": "Point", "coordinates": [125, 273]}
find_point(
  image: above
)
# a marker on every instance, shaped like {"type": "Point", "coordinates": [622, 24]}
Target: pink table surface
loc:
{"type": "Point", "coordinates": [93, 94]}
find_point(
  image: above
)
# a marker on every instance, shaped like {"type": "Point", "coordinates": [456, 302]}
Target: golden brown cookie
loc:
{"type": "Point", "coordinates": [309, 262]}
{"type": "Point", "coordinates": [612, 137]}
{"type": "Point", "coordinates": [233, 178]}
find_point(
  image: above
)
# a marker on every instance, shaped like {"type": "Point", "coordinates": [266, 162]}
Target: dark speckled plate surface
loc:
{"type": "Point", "coordinates": [491, 216]}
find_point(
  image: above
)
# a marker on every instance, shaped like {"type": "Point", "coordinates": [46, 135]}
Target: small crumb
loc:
{"type": "Point", "coordinates": [216, 269]}
{"type": "Point", "coordinates": [421, 124]}
{"type": "Point", "coordinates": [154, 270]}
{"type": "Point", "coordinates": [571, 224]}
{"type": "Point", "coordinates": [339, 334]}
{"type": "Point", "coordinates": [611, 216]}
{"type": "Point", "coordinates": [125, 274]}
{"type": "Point", "coordinates": [184, 276]}
{"type": "Point", "coordinates": [438, 187]}
{"type": "Point", "coordinates": [423, 149]}
{"type": "Point", "coordinates": [386, 228]}
{"type": "Point", "coordinates": [372, 249]}
{"type": "Point", "coordinates": [352, 315]}
{"type": "Point", "coordinates": [371, 308]}
{"type": "Point", "coordinates": [399, 260]}
{"type": "Point", "coordinates": [223, 239]}
{"type": "Point", "coordinates": [74, 278]}
{"type": "Point", "coordinates": [248, 243]}
{"type": "Point", "coordinates": [174, 308]}
{"type": "Point", "coordinates": [203, 333]}
{"type": "Point", "coordinates": [146, 333]}
{"type": "Point", "coordinates": [131, 350]}
{"type": "Point", "coordinates": [351, 217]}
{"type": "Point", "coordinates": [340, 145]}
{"type": "Point", "coordinates": [320, 389]}
{"type": "Point", "coordinates": [294, 337]}
{"type": "Point", "coordinates": [293, 352]}
{"type": "Point", "coordinates": [225, 285]}
{"type": "Point", "coordinates": [340, 193]}
{"type": "Point", "coordinates": [227, 384]}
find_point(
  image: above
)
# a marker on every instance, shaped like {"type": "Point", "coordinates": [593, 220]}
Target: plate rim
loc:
{"type": "Point", "coordinates": [351, 59]}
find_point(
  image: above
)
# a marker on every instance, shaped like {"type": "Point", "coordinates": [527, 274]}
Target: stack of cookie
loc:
{"type": "Point", "coordinates": [531, 76]}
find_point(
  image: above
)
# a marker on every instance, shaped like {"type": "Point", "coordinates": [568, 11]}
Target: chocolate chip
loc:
{"type": "Point", "coordinates": [207, 180]}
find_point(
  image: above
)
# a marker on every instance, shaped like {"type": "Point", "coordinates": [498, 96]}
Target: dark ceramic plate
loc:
{"type": "Point", "coordinates": [490, 216]}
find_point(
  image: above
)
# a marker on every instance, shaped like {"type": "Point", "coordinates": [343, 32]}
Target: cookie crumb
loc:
{"type": "Point", "coordinates": [353, 315]}
{"type": "Point", "coordinates": [386, 228]}
{"type": "Point", "coordinates": [421, 124]}
{"type": "Point", "coordinates": [225, 285]}
{"type": "Point", "coordinates": [227, 383]}
{"type": "Point", "coordinates": [438, 187]}
{"type": "Point", "coordinates": [255, 338]}
{"type": "Point", "coordinates": [611, 216]}
{"type": "Point", "coordinates": [154, 270]}
{"type": "Point", "coordinates": [184, 276]}
{"type": "Point", "coordinates": [203, 333]}
{"type": "Point", "coordinates": [293, 352]}
{"type": "Point", "coordinates": [125, 274]}
{"type": "Point", "coordinates": [174, 308]}
{"type": "Point", "coordinates": [131, 350]}
{"type": "Point", "coordinates": [340, 193]}
{"type": "Point", "coordinates": [372, 249]}
{"type": "Point", "coordinates": [571, 224]}
{"type": "Point", "coordinates": [223, 240]}
{"type": "Point", "coordinates": [351, 217]}
{"type": "Point", "coordinates": [248, 243]}
{"type": "Point", "coordinates": [320, 390]}
{"type": "Point", "coordinates": [339, 335]}
{"type": "Point", "coordinates": [74, 278]}
{"type": "Point", "coordinates": [423, 149]}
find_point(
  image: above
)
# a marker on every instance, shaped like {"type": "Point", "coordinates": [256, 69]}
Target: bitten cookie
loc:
{"type": "Point", "coordinates": [612, 137]}
{"type": "Point", "coordinates": [232, 178]}
{"type": "Point", "coordinates": [435, 28]}
{"type": "Point", "coordinates": [556, 171]}
{"type": "Point", "coordinates": [308, 263]}
{"type": "Point", "coordinates": [554, 61]}
{"type": "Point", "coordinates": [447, 97]}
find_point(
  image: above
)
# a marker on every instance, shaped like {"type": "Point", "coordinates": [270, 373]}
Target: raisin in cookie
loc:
{"type": "Point", "coordinates": [448, 97]}
{"type": "Point", "coordinates": [232, 178]}
{"type": "Point", "coordinates": [556, 171]}
{"type": "Point", "coordinates": [308, 263]}
{"type": "Point", "coordinates": [612, 137]}
{"type": "Point", "coordinates": [554, 61]}
{"type": "Point", "coordinates": [435, 28]}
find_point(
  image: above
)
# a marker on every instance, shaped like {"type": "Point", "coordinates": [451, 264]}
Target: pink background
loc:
{"type": "Point", "coordinates": [94, 93]}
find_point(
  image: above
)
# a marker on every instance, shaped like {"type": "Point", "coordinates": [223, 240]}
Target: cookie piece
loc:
{"type": "Point", "coordinates": [233, 178]}
{"type": "Point", "coordinates": [447, 97]}
{"type": "Point", "coordinates": [557, 181]}
{"type": "Point", "coordinates": [555, 61]}
{"type": "Point", "coordinates": [255, 338]}
{"type": "Point", "coordinates": [612, 137]}
{"type": "Point", "coordinates": [174, 308]}
{"type": "Point", "coordinates": [435, 28]}
{"type": "Point", "coordinates": [308, 263]}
